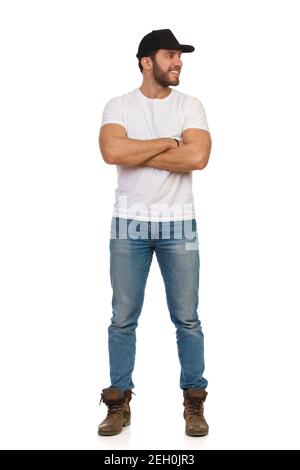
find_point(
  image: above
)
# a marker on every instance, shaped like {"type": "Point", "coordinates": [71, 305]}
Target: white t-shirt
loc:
{"type": "Point", "coordinates": [152, 194]}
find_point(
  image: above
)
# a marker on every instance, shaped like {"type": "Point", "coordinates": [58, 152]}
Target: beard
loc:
{"type": "Point", "coordinates": [163, 78]}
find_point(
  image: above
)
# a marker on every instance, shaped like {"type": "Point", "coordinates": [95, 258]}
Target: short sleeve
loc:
{"type": "Point", "coordinates": [194, 115]}
{"type": "Point", "coordinates": [113, 112]}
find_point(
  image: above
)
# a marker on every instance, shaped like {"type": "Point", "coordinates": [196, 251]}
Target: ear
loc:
{"type": "Point", "coordinates": [146, 63]}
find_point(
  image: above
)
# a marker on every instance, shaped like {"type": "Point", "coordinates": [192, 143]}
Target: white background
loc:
{"type": "Point", "coordinates": [61, 61]}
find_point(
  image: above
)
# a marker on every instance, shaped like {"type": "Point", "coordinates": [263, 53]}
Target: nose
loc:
{"type": "Point", "coordinates": [178, 61]}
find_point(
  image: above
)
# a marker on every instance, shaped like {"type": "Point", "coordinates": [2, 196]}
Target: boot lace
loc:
{"type": "Point", "coordinates": [194, 406]}
{"type": "Point", "coordinates": [115, 409]}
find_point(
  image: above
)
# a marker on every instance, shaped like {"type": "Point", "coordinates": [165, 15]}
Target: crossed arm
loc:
{"type": "Point", "coordinates": [192, 153]}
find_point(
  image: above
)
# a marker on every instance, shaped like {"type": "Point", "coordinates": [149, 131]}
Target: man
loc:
{"type": "Point", "coordinates": [156, 136]}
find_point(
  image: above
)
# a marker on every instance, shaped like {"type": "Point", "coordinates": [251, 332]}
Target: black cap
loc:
{"type": "Point", "coordinates": [160, 39]}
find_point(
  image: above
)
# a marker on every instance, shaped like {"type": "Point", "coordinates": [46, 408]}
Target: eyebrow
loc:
{"type": "Point", "coordinates": [171, 51]}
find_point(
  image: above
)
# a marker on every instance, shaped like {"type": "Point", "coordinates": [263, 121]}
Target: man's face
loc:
{"type": "Point", "coordinates": [167, 66]}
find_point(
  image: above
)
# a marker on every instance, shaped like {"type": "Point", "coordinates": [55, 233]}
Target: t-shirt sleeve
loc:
{"type": "Point", "coordinates": [113, 112]}
{"type": "Point", "coordinates": [194, 115]}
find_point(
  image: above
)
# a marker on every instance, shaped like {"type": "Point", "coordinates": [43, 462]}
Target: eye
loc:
{"type": "Point", "coordinates": [171, 54]}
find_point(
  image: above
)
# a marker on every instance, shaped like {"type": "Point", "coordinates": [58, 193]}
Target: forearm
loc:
{"type": "Point", "coordinates": [131, 152]}
{"type": "Point", "coordinates": [183, 158]}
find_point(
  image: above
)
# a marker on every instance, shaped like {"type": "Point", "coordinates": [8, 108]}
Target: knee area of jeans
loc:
{"type": "Point", "coordinates": [122, 326]}
{"type": "Point", "coordinates": [189, 326]}
{"type": "Point", "coordinates": [186, 319]}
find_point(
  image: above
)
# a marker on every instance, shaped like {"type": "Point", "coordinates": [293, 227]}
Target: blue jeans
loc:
{"type": "Point", "coordinates": [132, 244]}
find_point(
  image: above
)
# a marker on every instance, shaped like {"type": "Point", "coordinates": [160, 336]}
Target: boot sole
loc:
{"type": "Point", "coordinates": [196, 434]}
{"type": "Point", "coordinates": [112, 433]}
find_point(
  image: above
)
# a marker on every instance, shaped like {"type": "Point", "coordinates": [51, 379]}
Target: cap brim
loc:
{"type": "Point", "coordinates": [186, 48]}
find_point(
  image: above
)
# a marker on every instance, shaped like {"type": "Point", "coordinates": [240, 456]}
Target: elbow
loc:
{"type": "Point", "coordinates": [106, 150]}
{"type": "Point", "coordinates": [201, 162]}
{"type": "Point", "coordinates": [202, 156]}
{"type": "Point", "coordinates": [107, 155]}
{"type": "Point", "coordinates": [108, 158]}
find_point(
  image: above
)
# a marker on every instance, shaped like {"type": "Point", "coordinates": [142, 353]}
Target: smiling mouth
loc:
{"type": "Point", "coordinates": [175, 72]}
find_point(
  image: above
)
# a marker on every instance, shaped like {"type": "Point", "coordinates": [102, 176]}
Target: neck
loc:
{"type": "Point", "coordinates": [153, 90]}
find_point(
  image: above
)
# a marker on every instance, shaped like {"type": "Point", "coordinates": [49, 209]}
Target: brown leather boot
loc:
{"type": "Point", "coordinates": [118, 414]}
{"type": "Point", "coordinates": [193, 412]}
